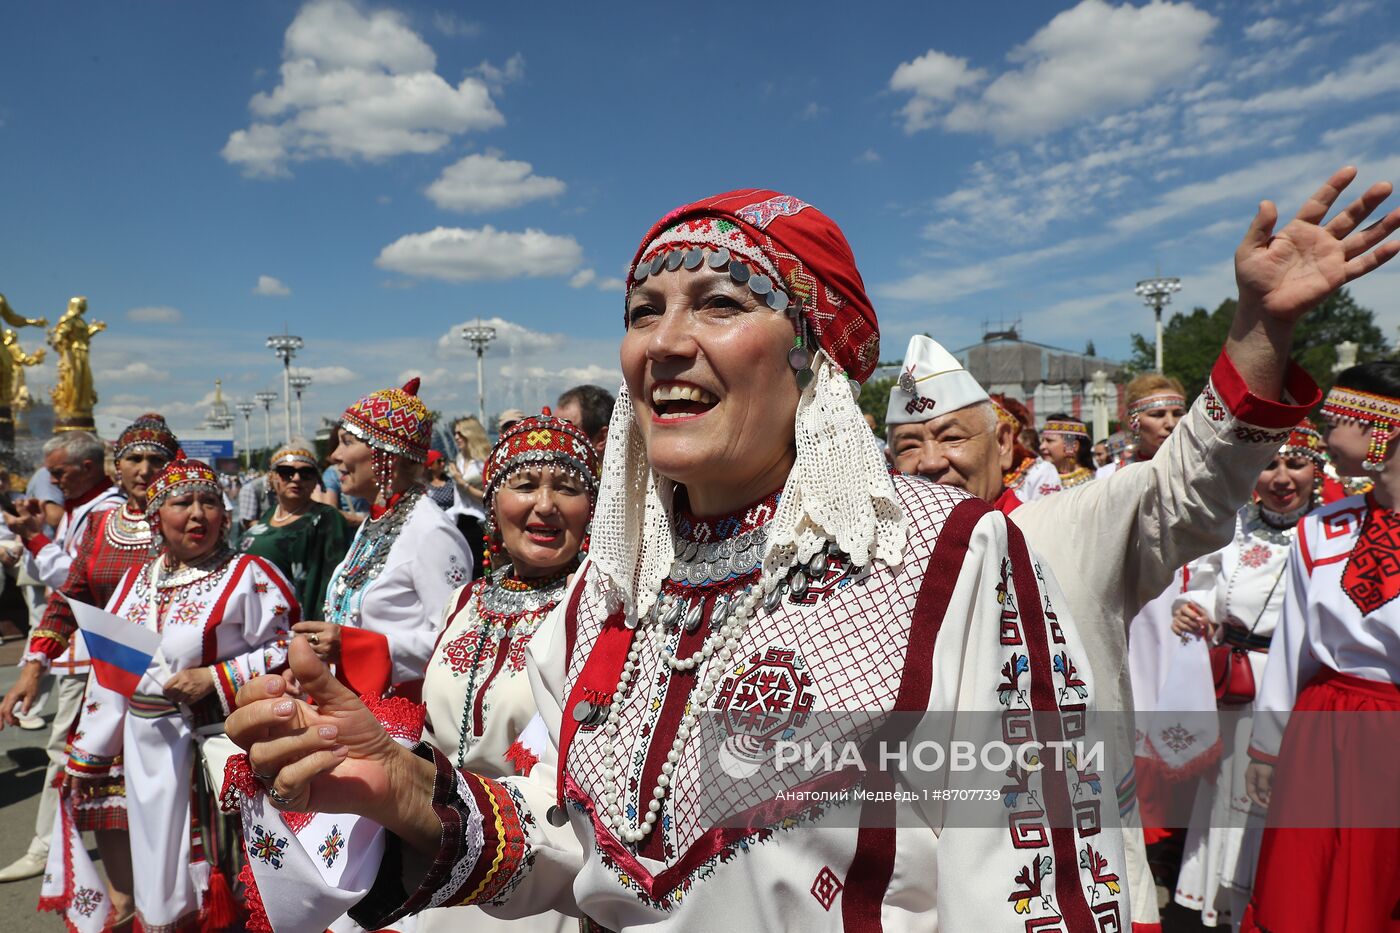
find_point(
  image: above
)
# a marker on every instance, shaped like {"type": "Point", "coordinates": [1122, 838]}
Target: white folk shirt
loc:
{"type": "Point", "coordinates": [490, 673]}
{"type": "Point", "coordinates": [235, 622]}
{"type": "Point", "coordinates": [1322, 625]}
{"type": "Point", "coordinates": [404, 604]}
{"type": "Point", "coordinates": [1041, 480]}
{"type": "Point", "coordinates": [967, 622]}
{"type": "Point", "coordinates": [1115, 544]}
{"type": "Point", "coordinates": [49, 560]}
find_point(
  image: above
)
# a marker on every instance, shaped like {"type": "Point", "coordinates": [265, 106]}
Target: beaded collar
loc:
{"type": "Point", "coordinates": [127, 528]}
{"type": "Point", "coordinates": [1273, 527]}
{"type": "Point", "coordinates": [1075, 477]}
{"type": "Point", "coordinates": [1016, 477]}
{"type": "Point", "coordinates": [504, 599]}
{"type": "Point", "coordinates": [723, 548]}
{"type": "Point", "coordinates": [202, 571]}
{"type": "Point", "coordinates": [368, 553]}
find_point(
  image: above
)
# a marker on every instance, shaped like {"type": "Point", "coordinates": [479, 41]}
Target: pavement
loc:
{"type": "Point", "coordinates": [22, 763]}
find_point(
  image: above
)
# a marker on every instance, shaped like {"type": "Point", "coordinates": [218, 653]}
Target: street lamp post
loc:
{"type": "Point", "coordinates": [478, 336]}
{"type": "Point", "coordinates": [285, 346]}
{"type": "Point", "coordinates": [299, 382]}
{"type": "Point", "coordinates": [267, 397]}
{"type": "Point", "coordinates": [1098, 395]}
{"type": "Point", "coordinates": [1157, 294]}
{"type": "Point", "coordinates": [247, 410]}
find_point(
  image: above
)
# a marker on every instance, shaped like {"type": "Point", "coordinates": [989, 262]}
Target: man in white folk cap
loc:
{"type": "Point", "coordinates": [1115, 544]}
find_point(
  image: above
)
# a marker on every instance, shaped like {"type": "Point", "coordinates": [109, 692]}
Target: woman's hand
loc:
{"type": "Point", "coordinates": [333, 757]}
{"type": "Point", "coordinates": [1286, 274]}
{"type": "Point", "coordinates": [190, 686]}
{"type": "Point", "coordinates": [1191, 619]}
{"type": "Point", "coordinates": [1259, 782]}
{"type": "Point", "coordinates": [324, 638]}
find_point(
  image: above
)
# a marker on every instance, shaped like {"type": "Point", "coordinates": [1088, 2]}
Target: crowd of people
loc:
{"type": "Point", "coordinates": [483, 687]}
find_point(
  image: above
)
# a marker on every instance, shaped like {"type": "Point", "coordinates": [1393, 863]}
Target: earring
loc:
{"type": "Point", "coordinates": [1380, 444]}
{"type": "Point", "coordinates": [800, 359]}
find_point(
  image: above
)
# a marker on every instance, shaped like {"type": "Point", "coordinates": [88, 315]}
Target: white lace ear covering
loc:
{"type": "Point", "coordinates": [839, 489]}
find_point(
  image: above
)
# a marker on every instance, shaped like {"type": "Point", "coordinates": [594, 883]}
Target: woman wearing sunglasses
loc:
{"type": "Point", "coordinates": [305, 539]}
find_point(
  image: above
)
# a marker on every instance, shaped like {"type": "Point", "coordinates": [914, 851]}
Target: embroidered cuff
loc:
{"type": "Point", "coordinates": [1300, 395]}
{"type": "Point", "coordinates": [83, 765]}
{"type": "Point", "coordinates": [49, 641]}
{"type": "Point", "coordinates": [1264, 757]}
{"type": "Point", "coordinates": [37, 543]}
{"type": "Point", "coordinates": [227, 680]}
{"type": "Point", "coordinates": [239, 784]}
{"type": "Point", "coordinates": [42, 655]}
{"type": "Point", "coordinates": [459, 851]}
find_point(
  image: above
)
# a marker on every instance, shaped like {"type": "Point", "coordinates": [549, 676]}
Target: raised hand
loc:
{"type": "Point", "coordinates": [333, 757]}
{"type": "Point", "coordinates": [1288, 273]}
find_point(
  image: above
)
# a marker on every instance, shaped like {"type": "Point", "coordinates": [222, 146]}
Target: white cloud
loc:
{"type": "Point", "coordinates": [1345, 12]}
{"type": "Point", "coordinates": [355, 85]}
{"type": "Point", "coordinates": [327, 375]}
{"type": "Point", "coordinates": [934, 78]}
{"type": "Point", "coordinates": [498, 77]}
{"type": "Point", "coordinates": [450, 24]}
{"type": "Point", "coordinates": [487, 182]}
{"type": "Point", "coordinates": [868, 156]}
{"type": "Point", "coordinates": [1088, 61]}
{"type": "Point", "coordinates": [1363, 76]}
{"type": "Point", "coordinates": [455, 254]}
{"type": "Point", "coordinates": [611, 285]}
{"type": "Point", "coordinates": [267, 285]}
{"type": "Point", "coordinates": [812, 110]}
{"type": "Point", "coordinates": [132, 372]}
{"type": "Point", "coordinates": [1269, 29]}
{"type": "Point", "coordinates": [155, 314]}
{"type": "Point", "coordinates": [510, 336]}
{"type": "Point", "coordinates": [581, 278]}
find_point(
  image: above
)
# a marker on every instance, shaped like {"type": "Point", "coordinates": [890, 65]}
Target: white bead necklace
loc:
{"type": "Point", "coordinates": [729, 619]}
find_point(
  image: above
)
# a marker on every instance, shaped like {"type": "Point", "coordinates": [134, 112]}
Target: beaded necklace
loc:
{"type": "Point", "coordinates": [737, 589]}
{"type": "Point", "coordinates": [186, 581]}
{"type": "Point", "coordinates": [1017, 476]}
{"type": "Point", "coordinates": [368, 554]}
{"type": "Point", "coordinates": [1075, 477]}
{"type": "Point", "coordinates": [127, 530]}
{"type": "Point", "coordinates": [505, 604]}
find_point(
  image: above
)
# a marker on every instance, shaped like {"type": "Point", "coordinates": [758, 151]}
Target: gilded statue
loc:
{"type": "Point", "coordinates": [19, 320]}
{"type": "Point", "coordinates": [14, 391]}
{"type": "Point", "coordinates": [74, 394]}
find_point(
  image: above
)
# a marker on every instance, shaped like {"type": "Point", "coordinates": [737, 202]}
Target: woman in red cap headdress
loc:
{"type": "Point", "coordinates": [113, 542]}
{"type": "Point", "coordinates": [223, 620]}
{"type": "Point", "coordinates": [1233, 600]}
{"type": "Point", "coordinates": [754, 569]}
{"type": "Point", "coordinates": [385, 601]}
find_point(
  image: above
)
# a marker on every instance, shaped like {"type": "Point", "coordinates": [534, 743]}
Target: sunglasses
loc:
{"type": "Point", "coordinates": [290, 473]}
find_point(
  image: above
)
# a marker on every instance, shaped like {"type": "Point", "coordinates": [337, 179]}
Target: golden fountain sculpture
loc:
{"type": "Point", "coordinates": [73, 394]}
{"type": "Point", "coordinates": [12, 363]}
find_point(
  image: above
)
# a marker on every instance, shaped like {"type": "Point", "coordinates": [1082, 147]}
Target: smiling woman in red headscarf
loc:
{"type": "Point", "coordinates": [753, 557]}
{"type": "Point", "coordinates": [757, 582]}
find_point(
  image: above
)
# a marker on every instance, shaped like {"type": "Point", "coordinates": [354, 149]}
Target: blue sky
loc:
{"type": "Point", "coordinates": [374, 175]}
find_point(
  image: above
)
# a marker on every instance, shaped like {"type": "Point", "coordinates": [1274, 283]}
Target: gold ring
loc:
{"type": "Point", "coordinates": [314, 638]}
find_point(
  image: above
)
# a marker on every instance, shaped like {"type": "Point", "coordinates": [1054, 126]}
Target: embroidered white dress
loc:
{"type": "Point", "coordinates": [395, 605]}
{"type": "Point", "coordinates": [233, 620]}
{"type": "Point", "coordinates": [478, 700]}
{"type": "Point", "coordinates": [967, 622]}
{"type": "Point", "coordinates": [1239, 586]}
{"type": "Point", "coordinates": [1041, 480]}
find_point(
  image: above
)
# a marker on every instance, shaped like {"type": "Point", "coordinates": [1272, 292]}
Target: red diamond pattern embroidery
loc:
{"type": "Point", "coordinates": [1372, 574]}
{"type": "Point", "coordinates": [826, 888]}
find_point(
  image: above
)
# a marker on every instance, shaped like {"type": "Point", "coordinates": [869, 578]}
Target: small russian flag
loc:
{"type": "Point", "coordinates": [121, 651]}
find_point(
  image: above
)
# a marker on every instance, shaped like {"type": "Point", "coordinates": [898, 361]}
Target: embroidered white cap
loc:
{"type": "Point", "coordinates": [933, 383]}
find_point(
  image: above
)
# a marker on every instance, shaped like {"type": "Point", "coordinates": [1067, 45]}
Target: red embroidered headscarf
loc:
{"type": "Point", "coordinates": [785, 244]}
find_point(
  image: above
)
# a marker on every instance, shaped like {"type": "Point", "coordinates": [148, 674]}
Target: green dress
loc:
{"type": "Point", "coordinates": [307, 551]}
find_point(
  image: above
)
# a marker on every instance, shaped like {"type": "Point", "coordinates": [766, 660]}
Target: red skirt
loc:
{"type": "Point", "coordinates": [1330, 858]}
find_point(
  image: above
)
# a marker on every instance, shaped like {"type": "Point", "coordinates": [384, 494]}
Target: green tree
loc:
{"type": "Point", "coordinates": [875, 400]}
{"type": "Point", "coordinates": [1191, 341]}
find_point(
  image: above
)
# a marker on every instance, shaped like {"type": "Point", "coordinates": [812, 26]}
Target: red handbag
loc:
{"type": "Point", "coordinates": [1233, 674]}
{"type": "Point", "coordinates": [1229, 664]}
